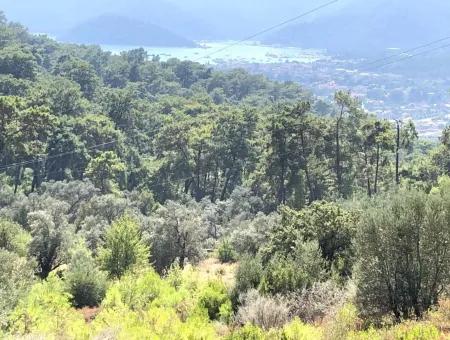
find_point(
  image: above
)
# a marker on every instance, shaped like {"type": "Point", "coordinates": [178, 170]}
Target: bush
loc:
{"type": "Point", "coordinates": [264, 312]}
{"type": "Point", "coordinates": [315, 303]}
{"type": "Point", "coordinates": [415, 331]}
{"type": "Point", "coordinates": [297, 330]}
{"type": "Point", "coordinates": [342, 323]}
{"type": "Point", "coordinates": [136, 291]}
{"type": "Point", "coordinates": [248, 274]}
{"type": "Point", "coordinates": [13, 238]}
{"type": "Point", "coordinates": [248, 332]}
{"type": "Point", "coordinates": [123, 248]}
{"type": "Point", "coordinates": [16, 278]}
{"type": "Point", "coordinates": [46, 311]}
{"type": "Point", "coordinates": [214, 298]}
{"type": "Point", "coordinates": [441, 316]}
{"type": "Point", "coordinates": [85, 281]}
{"type": "Point", "coordinates": [295, 272]}
{"type": "Point", "coordinates": [401, 244]}
{"type": "Point", "coordinates": [226, 252]}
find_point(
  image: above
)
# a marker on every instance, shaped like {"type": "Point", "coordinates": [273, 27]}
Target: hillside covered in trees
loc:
{"type": "Point", "coordinates": [142, 199]}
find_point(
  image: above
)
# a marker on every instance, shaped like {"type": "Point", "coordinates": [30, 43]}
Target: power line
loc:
{"type": "Point", "coordinates": [408, 51]}
{"type": "Point", "coordinates": [271, 28]}
{"type": "Point", "coordinates": [13, 165]}
{"type": "Point", "coordinates": [410, 57]}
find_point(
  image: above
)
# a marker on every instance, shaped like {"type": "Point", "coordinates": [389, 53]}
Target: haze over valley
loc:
{"type": "Point", "coordinates": [224, 170]}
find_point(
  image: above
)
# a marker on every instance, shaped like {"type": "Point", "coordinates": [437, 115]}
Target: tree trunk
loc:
{"type": "Point", "coordinates": [306, 168]}
{"type": "Point", "coordinates": [397, 155]}
{"type": "Point", "coordinates": [17, 178]}
{"type": "Point", "coordinates": [369, 187]}
{"type": "Point", "coordinates": [282, 189]}
{"type": "Point", "coordinates": [198, 194]}
{"type": "Point", "coordinates": [377, 170]}
{"type": "Point", "coordinates": [338, 152]}
{"type": "Point", "coordinates": [225, 186]}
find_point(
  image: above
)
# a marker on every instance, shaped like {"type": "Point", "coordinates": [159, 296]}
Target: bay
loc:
{"type": "Point", "coordinates": [226, 51]}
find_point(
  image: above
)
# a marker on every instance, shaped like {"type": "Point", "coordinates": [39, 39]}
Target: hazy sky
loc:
{"type": "Point", "coordinates": [228, 14]}
{"type": "Point", "coordinates": [205, 19]}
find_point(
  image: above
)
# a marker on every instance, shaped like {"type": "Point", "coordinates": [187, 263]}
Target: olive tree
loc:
{"type": "Point", "coordinates": [178, 232]}
{"type": "Point", "coordinates": [403, 247]}
{"type": "Point", "coordinates": [50, 242]}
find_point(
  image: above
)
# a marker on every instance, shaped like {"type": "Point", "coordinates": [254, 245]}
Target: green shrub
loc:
{"type": "Point", "coordinates": [285, 274]}
{"type": "Point", "coordinates": [343, 323]}
{"type": "Point", "coordinates": [86, 283]}
{"type": "Point", "coordinates": [13, 238]}
{"type": "Point", "coordinates": [212, 297]}
{"type": "Point", "coordinates": [226, 252]}
{"type": "Point", "coordinates": [16, 278]}
{"type": "Point", "coordinates": [46, 311]}
{"type": "Point", "coordinates": [297, 330]}
{"type": "Point", "coordinates": [249, 274]}
{"type": "Point", "coordinates": [136, 291]}
{"type": "Point", "coordinates": [248, 332]}
{"type": "Point", "coordinates": [124, 248]}
{"type": "Point", "coordinates": [401, 262]}
{"type": "Point", "coordinates": [415, 331]}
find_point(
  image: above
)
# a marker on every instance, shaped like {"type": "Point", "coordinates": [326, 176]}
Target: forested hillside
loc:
{"type": "Point", "coordinates": [142, 199]}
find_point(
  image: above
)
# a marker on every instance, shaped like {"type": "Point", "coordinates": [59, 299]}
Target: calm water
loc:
{"type": "Point", "coordinates": [211, 52]}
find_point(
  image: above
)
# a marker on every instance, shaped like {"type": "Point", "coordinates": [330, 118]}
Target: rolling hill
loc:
{"type": "Point", "coordinates": [371, 27]}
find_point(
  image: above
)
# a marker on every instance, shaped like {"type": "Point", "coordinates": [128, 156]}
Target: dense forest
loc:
{"type": "Point", "coordinates": [142, 199]}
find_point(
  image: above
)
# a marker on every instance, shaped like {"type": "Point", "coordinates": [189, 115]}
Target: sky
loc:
{"type": "Point", "coordinates": [237, 19]}
{"type": "Point", "coordinates": [232, 16]}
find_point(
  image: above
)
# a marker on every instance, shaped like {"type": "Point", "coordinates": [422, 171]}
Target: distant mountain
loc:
{"type": "Point", "coordinates": [371, 27]}
{"type": "Point", "coordinates": [118, 30]}
{"type": "Point", "coordinates": [57, 17]}
{"type": "Point", "coordinates": [193, 19]}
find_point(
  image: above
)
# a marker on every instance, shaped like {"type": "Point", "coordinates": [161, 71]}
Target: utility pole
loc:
{"type": "Point", "coordinates": [397, 152]}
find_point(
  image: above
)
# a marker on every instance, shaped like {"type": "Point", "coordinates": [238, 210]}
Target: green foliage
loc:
{"type": "Point", "coordinates": [86, 283]}
{"type": "Point", "coordinates": [17, 61]}
{"type": "Point", "coordinates": [177, 233]}
{"type": "Point", "coordinates": [332, 226]}
{"type": "Point", "coordinates": [249, 274]}
{"type": "Point", "coordinates": [46, 310]}
{"type": "Point", "coordinates": [50, 241]}
{"type": "Point", "coordinates": [104, 170]}
{"type": "Point", "coordinates": [248, 332]}
{"type": "Point", "coordinates": [401, 244]}
{"type": "Point", "coordinates": [343, 323]}
{"type": "Point", "coordinates": [124, 152]}
{"type": "Point", "coordinates": [123, 248]}
{"type": "Point", "coordinates": [297, 330]}
{"type": "Point", "coordinates": [13, 238]}
{"type": "Point", "coordinates": [416, 332]}
{"type": "Point", "coordinates": [16, 278]}
{"type": "Point", "coordinates": [226, 253]}
{"type": "Point", "coordinates": [214, 298]}
{"type": "Point", "coordinates": [284, 274]}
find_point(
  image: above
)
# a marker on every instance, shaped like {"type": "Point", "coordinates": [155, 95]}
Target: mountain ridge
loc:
{"type": "Point", "coordinates": [120, 30]}
{"type": "Point", "coordinates": [371, 27]}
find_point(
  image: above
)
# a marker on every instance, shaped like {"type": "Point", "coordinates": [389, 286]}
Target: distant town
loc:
{"type": "Point", "coordinates": [389, 95]}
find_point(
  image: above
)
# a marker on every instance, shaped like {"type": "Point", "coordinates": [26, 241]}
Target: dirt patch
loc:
{"type": "Point", "coordinates": [89, 313]}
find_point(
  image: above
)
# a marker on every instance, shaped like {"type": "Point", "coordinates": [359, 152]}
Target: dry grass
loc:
{"type": "Point", "coordinates": [211, 268]}
{"type": "Point", "coordinates": [89, 313]}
